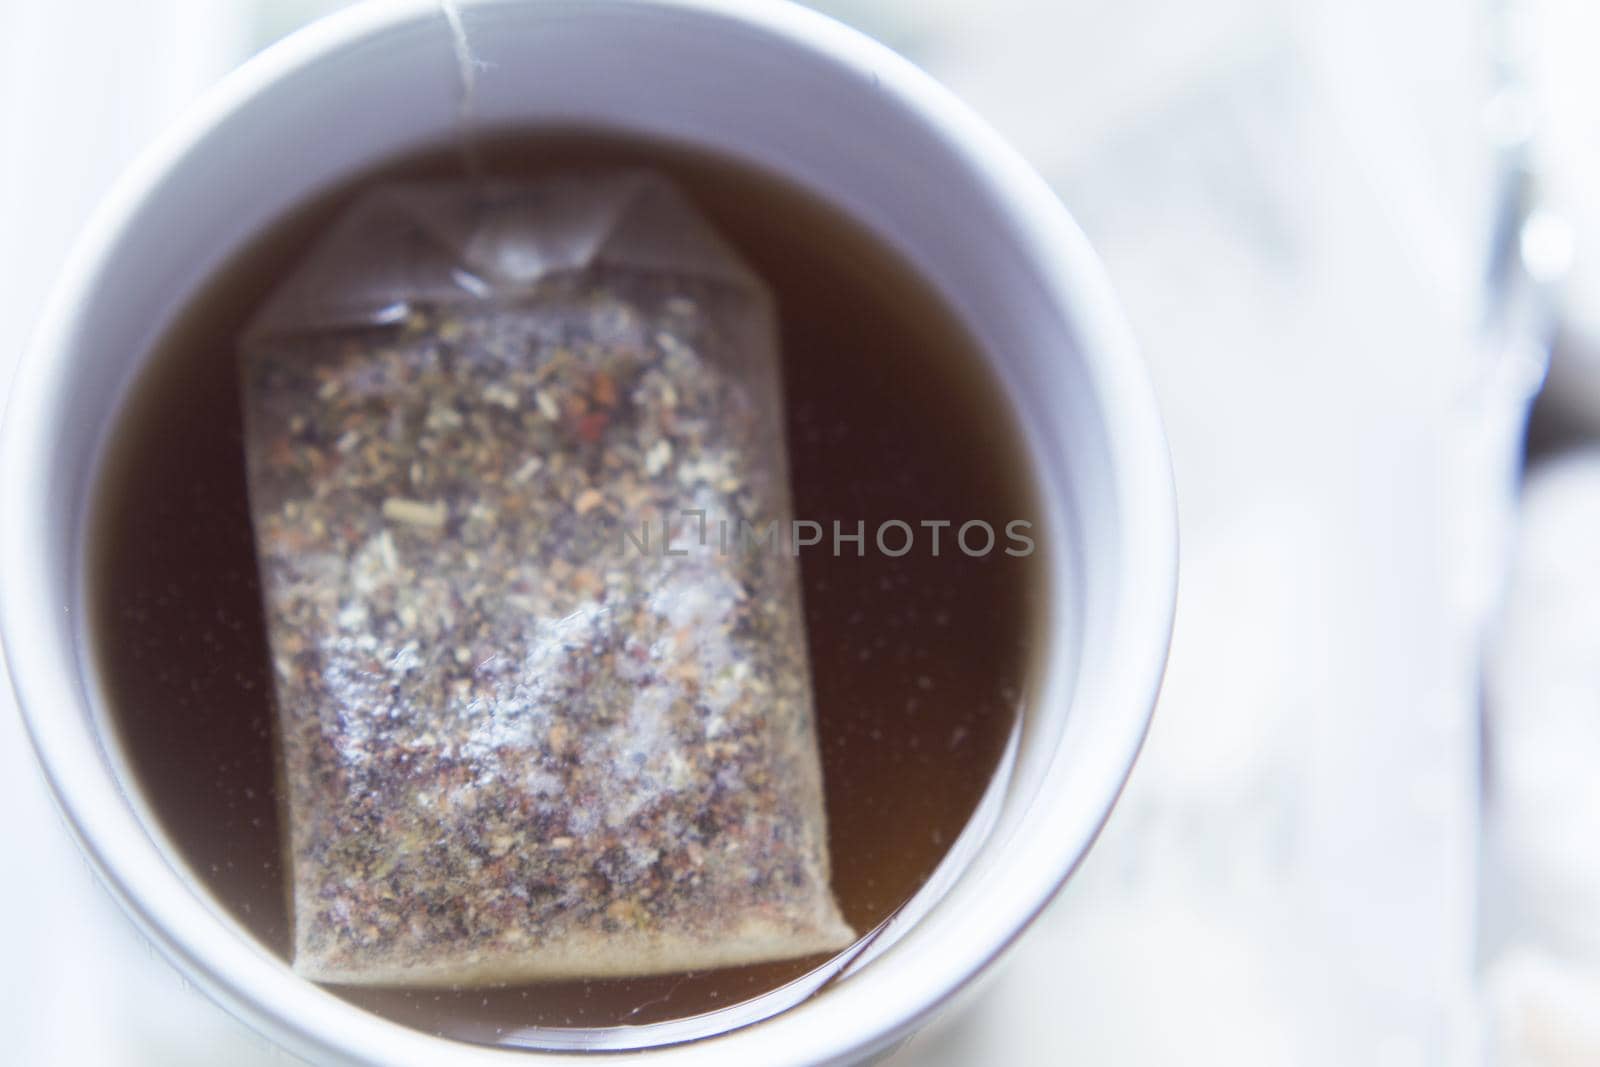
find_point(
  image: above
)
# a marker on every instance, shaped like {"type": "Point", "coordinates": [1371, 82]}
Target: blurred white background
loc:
{"type": "Point", "coordinates": [1296, 202]}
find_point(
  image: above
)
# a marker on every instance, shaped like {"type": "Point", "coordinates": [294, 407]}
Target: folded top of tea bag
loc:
{"type": "Point", "coordinates": [407, 243]}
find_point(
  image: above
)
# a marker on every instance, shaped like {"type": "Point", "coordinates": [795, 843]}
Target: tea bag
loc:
{"type": "Point", "coordinates": [518, 483]}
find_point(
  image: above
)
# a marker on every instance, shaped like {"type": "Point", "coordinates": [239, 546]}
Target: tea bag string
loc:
{"type": "Point", "coordinates": [467, 68]}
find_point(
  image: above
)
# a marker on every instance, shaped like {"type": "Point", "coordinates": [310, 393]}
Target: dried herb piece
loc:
{"type": "Point", "coordinates": [520, 737]}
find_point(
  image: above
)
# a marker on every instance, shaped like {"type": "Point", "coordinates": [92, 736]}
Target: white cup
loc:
{"type": "Point", "coordinates": [770, 83]}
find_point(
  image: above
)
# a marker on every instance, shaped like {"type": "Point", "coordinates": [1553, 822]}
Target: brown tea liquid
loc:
{"type": "Point", "coordinates": [918, 661]}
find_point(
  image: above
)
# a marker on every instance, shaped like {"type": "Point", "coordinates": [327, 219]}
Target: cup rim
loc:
{"type": "Point", "coordinates": [46, 676]}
